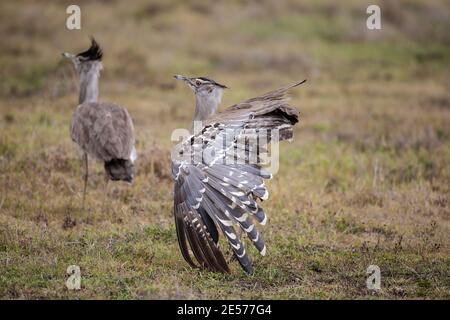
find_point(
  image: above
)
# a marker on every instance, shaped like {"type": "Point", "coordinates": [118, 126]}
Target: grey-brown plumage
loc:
{"type": "Point", "coordinates": [215, 192]}
{"type": "Point", "coordinates": [105, 131]}
{"type": "Point", "coordinates": [102, 130]}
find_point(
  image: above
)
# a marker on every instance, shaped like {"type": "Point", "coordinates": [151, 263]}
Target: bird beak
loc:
{"type": "Point", "coordinates": [188, 81]}
{"type": "Point", "coordinates": [183, 78]}
{"type": "Point", "coordinates": [68, 55]}
{"type": "Point", "coordinates": [180, 77]}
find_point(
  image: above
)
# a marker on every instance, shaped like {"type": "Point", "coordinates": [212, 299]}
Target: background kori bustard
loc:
{"type": "Point", "coordinates": [102, 130]}
{"type": "Point", "coordinates": [215, 191]}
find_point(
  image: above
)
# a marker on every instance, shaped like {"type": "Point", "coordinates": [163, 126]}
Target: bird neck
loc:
{"type": "Point", "coordinates": [206, 105]}
{"type": "Point", "coordinates": [89, 85]}
{"type": "Point", "coordinates": [203, 109]}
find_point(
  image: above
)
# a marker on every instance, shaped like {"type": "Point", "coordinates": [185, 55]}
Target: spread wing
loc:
{"type": "Point", "coordinates": [213, 190]}
{"type": "Point", "coordinates": [103, 130]}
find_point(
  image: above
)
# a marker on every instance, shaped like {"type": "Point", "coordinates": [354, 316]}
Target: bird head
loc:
{"type": "Point", "coordinates": [208, 94]}
{"type": "Point", "coordinates": [88, 60]}
{"type": "Point", "coordinates": [202, 86]}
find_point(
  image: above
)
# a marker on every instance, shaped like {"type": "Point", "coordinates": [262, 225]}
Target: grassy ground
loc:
{"type": "Point", "coordinates": [365, 181]}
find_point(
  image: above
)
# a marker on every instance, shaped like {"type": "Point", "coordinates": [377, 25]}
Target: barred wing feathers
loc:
{"type": "Point", "coordinates": [267, 111]}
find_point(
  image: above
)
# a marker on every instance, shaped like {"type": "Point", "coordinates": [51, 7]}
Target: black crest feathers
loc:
{"type": "Point", "coordinates": [213, 82]}
{"type": "Point", "coordinates": [93, 53]}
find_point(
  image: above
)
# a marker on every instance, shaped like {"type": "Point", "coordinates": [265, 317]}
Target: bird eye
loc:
{"type": "Point", "coordinates": [198, 82]}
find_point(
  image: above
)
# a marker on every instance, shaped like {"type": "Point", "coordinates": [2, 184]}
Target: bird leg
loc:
{"type": "Point", "coordinates": [107, 191]}
{"type": "Point", "coordinates": [86, 174]}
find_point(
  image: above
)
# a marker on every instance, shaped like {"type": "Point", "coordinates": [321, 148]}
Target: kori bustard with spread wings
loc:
{"type": "Point", "coordinates": [213, 190]}
{"type": "Point", "coordinates": [102, 130]}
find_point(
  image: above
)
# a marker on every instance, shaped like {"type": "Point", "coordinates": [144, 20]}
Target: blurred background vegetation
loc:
{"type": "Point", "coordinates": [366, 180]}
